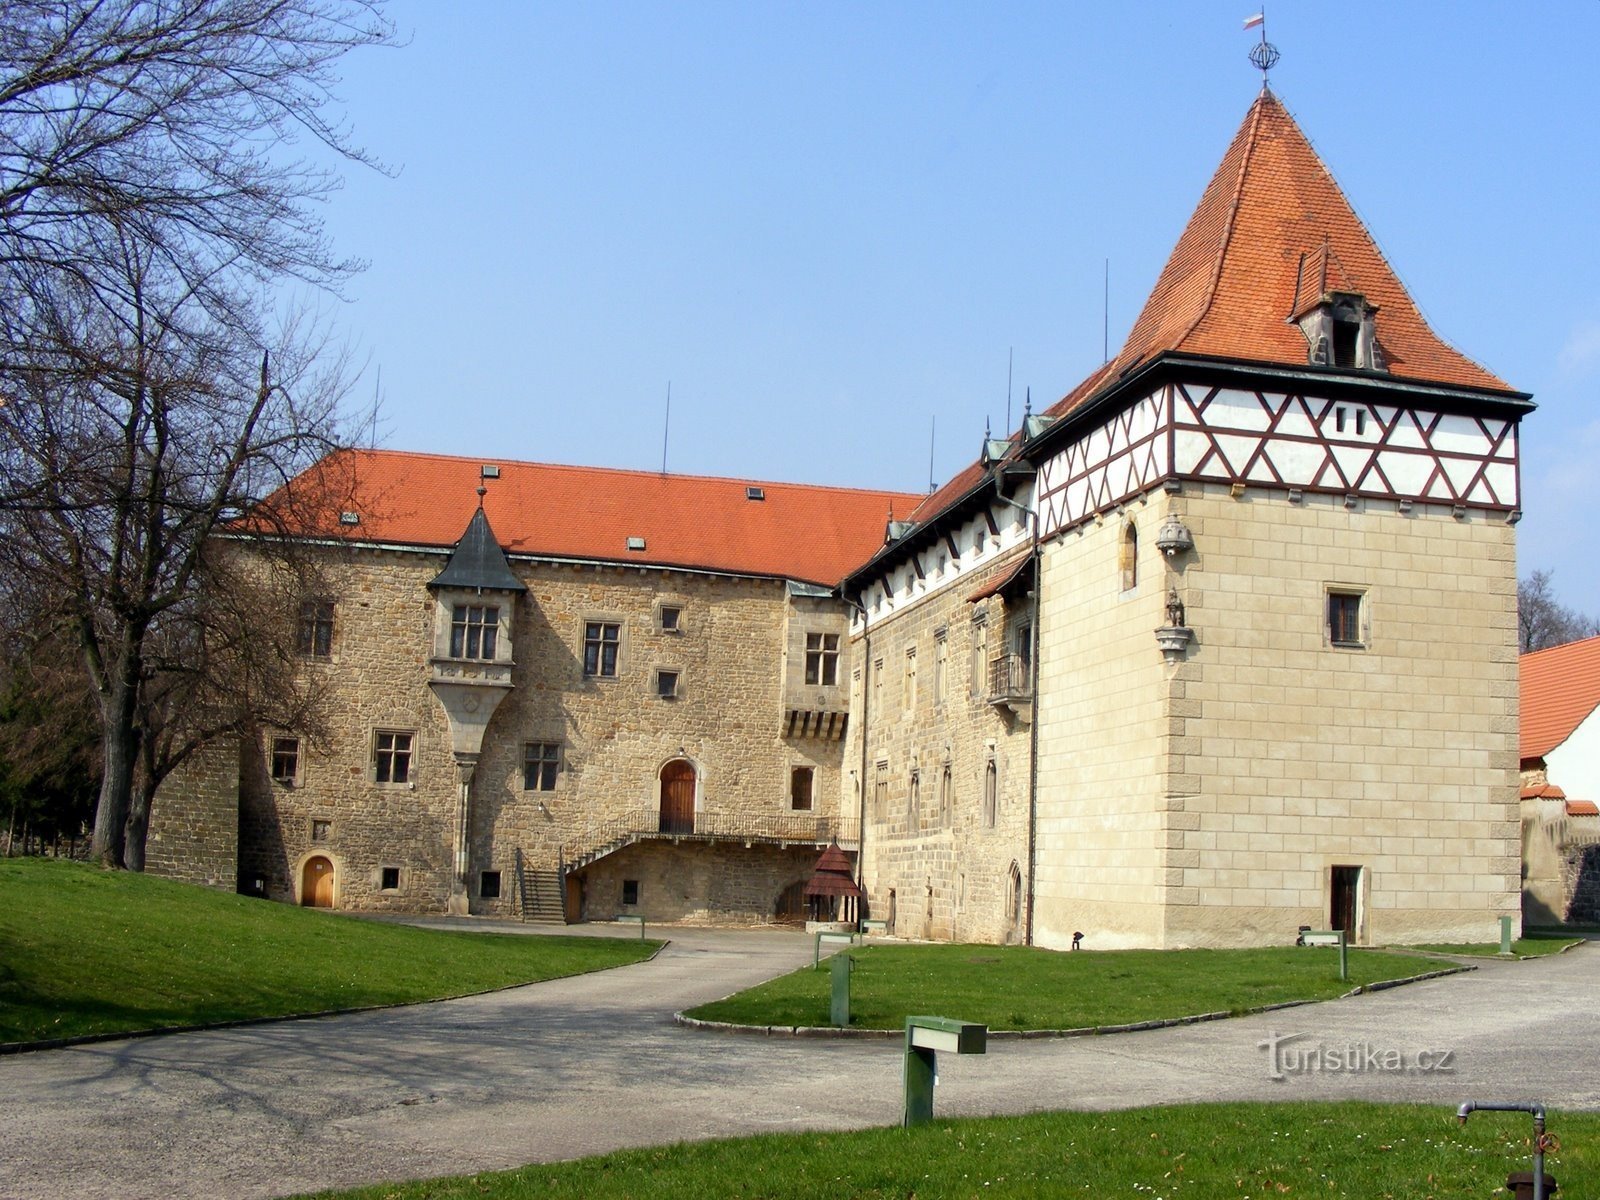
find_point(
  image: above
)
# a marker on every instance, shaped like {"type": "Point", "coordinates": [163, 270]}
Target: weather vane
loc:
{"type": "Point", "coordinates": [1263, 55]}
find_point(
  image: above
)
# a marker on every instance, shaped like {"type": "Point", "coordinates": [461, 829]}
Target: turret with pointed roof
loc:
{"type": "Point", "coordinates": [478, 563]}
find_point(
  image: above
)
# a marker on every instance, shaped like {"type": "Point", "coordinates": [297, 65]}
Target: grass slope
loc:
{"type": "Point", "coordinates": [1528, 947]}
{"type": "Point", "coordinates": [1018, 987]}
{"type": "Point", "coordinates": [86, 951]}
{"type": "Point", "coordinates": [1194, 1152]}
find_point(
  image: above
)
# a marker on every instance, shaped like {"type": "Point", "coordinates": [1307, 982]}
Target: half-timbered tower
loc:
{"type": "Point", "coordinates": [1268, 608]}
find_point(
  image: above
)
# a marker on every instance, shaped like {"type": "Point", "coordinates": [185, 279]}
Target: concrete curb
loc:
{"type": "Point", "coordinates": [128, 1035]}
{"type": "Point", "coordinates": [829, 1031]}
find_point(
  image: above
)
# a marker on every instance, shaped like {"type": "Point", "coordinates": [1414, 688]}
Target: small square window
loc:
{"type": "Point", "coordinates": [541, 762]}
{"type": "Point", "coordinates": [489, 885]}
{"type": "Point", "coordinates": [667, 685]}
{"type": "Point", "coordinates": [671, 618]}
{"type": "Point", "coordinates": [630, 891]}
{"type": "Point", "coordinates": [1345, 619]}
{"type": "Point", "coordinates": [321, 830]}
{"type": "Point", "coordinates": [389, 879]}
{"type": "Point", "coordinates": [286, 761]}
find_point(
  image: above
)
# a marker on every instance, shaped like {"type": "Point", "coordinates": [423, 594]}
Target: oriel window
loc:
{"type": "Point", "coordinates": [473, 629]}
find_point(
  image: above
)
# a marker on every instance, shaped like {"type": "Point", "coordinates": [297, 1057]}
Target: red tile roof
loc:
{"type": "Point", "coordinates": [1543, 791]}
{"type": "Point", "coordinates": [1560, 687]}
{"type": "Point", "coordinates": [1583, 808]}
{"type": "Point", "coordinates": [807, 533]}
{"type": "Point", "coordinates": [1272, 232]}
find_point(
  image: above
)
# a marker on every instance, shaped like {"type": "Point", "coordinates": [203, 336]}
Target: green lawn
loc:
{"type": "Point", "coordinates": [1225, 1152]}
{"type": "Point", "coordinates": [1528, 947]}
{"type": "Point", "coordinates": [1018, 987]}
{"type": "Point", "coordinates": [87, 951]}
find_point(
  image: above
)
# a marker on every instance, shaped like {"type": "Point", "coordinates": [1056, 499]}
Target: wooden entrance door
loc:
{"type": "Point", "coordinates": [316, 883]}
{"type": "Point", "coordinates": [1346, 886]}
{"type": "Point", "coordinates": [677, 797]}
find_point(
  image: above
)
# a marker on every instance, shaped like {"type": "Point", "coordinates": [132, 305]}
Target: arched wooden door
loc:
{"type": "Point", "coordinates": [677, 797]}
{"type": "Point", "coordinates": [316, 883]}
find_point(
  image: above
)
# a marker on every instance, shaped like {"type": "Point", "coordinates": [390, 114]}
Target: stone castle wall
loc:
{"type": "Point", "coordinates": [194, 820]}
{"type": "Point", "coordinates": [945, 871]}
{"type": "Point", "coordinates": [1287, 756]}
{"type": "Point", "coordinates": [615, 734]}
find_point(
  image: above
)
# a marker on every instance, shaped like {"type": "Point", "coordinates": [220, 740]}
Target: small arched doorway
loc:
{"type": "Point", "coordinates": [316, 883]}
{"type": "Point", "coordinates": [677, 797]}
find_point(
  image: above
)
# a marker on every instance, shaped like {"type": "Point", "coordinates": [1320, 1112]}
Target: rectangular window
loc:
{"type": "Point", "coordinates": [880, 792]}
{"type": "Point", "coordinates": [800, 780]}
{"type": "Point", "coordinates": [286, 760]}
{"type": "Point", "coordinates": [1344, 618]}
{"type": "Point", "coordinates": [671, 616]}
{"type": "Point", "coordinates": [822, 659]}
{"type": "Point", "coordinates": [911, 679]}
{"type": "Point", "coordinates": [980, 657]}
{"type": "Point", "coordinates": [941, 667]}
{"type": "Point", "coordinates": [391, 757]}
{"type": "Point", "coordinates": [667, 684]}
{"type": "Point", "coordinates": [389, 879]}
{"type": "Point", "coordinates": [540, 763]}
{"type": "Point", "coordinates": [630, 891]}
{"type": "Point", "coordinates": [489, 885]}
{"type": "Point", "coordinates": [315, 636]}
{"type": "Point", "coordinates": [1022, 640]}
{"type": "Point", "coordinates": [600, 642]}
{"type": "Point", "coordinates": [472, 631]}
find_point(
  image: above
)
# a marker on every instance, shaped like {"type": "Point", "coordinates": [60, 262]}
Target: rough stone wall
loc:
{"type": "Point", "coordinates": [194, 820]}
{"type": "Point", "coordinates": [1582, 877]}
{"type": "Point", "coordinates": [1281, 756]}
{"type": "Point", "coordinates": [615, 733]}
{"type": "Point", "coordinates": [949, 872]}
{"type": "Point", "coordinates": [694, 884]}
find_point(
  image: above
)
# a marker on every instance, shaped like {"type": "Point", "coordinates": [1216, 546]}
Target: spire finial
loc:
{"type": "Point", "coordinates": [482, 492]}
{"type": "Point", "coordinates": [1263, 55]}
{"type": "Point", "coordinates": [1027, 403]}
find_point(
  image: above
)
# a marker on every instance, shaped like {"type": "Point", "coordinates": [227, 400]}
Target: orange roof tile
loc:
{"type": "Point", "coordinates": [1560, 687]}
{"type": "Point", "coordinates": [1583, 808]}
{"type": "Point", "coordinates": [1271, 233]}
{"type": "Point", "coordinates": [1543, 791]}
{"type": "Point", "coordinates": [808, 533]}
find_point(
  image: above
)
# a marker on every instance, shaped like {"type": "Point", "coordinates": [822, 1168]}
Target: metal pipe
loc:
{"type": "Point", "coordinates": [1537, 1112]}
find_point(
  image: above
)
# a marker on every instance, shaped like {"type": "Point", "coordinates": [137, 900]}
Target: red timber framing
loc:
{"type": "Point", "coordinates": [1284, 440]}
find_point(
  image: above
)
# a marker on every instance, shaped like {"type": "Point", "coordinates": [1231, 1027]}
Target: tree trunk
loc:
{"type": "Point", "coordinates": [11, 835]}
{"type": "Point", "coordinates": [121, 742]}
{"type": "Point", "coordinates": [138, 826]}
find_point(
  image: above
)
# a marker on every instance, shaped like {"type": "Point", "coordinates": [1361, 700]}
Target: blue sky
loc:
{"type": "Point", "coordinates": [828, 224]}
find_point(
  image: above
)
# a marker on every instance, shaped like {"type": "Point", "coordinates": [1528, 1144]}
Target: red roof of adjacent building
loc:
{"type": "Point", "coordinates": [1583, 808]}
{"type": "Point", "coordinates": [1271, 234]}
{"type": "Point", "coordinates": [801, 532]}
{"type": "Point", "coordinates": [1560, 687]}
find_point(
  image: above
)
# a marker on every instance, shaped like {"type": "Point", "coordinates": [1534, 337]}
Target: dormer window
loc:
{"type": "Point", "coordinates": [1341, 330]}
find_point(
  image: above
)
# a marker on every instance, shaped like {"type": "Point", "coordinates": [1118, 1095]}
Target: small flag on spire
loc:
{"type": "Point", "coordinates": [1259, 19]}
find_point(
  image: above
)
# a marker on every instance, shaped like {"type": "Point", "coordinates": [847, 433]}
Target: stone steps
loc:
{"type": "Point", "coordinates": [542, 901]}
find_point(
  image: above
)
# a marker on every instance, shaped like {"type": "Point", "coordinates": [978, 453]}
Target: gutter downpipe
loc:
{"type": "Point", "coordinates": [1033, 726]}
{"type": "Point", "coordinates": [861, 778]}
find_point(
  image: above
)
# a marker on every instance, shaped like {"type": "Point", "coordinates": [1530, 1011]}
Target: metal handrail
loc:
{"type": "Point", "coordinates": [712, 824]}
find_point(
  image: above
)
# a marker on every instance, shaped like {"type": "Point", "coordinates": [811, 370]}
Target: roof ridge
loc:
{"type": "Point", "coordinates": [1233, 213]}
{"type": "Point", "coordinates": [1527, 654]}
{"type": "Point", "coordinates": [631, 471]}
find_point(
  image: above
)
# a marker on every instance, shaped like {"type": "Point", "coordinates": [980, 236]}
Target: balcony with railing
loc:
{"type": "Point", "coordinates": [1011, 683]}
{"type": "Point", "coordinates": [709, 826]}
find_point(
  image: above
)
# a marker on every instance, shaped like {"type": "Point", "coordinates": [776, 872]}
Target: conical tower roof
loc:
{"type": "Point", "coordinates": [478, 562]}
{"type": "Point", "coordinates": [1271, 234]}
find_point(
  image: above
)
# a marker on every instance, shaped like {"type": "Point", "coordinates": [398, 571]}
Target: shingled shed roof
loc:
{"type": "Point", "coordinates": [1560, 687]}
{"type": "Point", "coordinates": [794, 531]}
{"type": "Point", "coordinates": [833, 875]}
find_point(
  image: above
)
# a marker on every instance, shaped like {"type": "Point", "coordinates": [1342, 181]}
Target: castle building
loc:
{"type": "Point", "coordinates": [1221, 644]}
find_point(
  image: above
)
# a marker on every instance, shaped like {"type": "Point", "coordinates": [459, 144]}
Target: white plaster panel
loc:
{"type": "Point", "coordinates": [1238, 448]}
{"type": "Point", "coordinates": [1406, 472]}
{"type": "Point", "coordinates": [1459, 434]}
{"type": "Point", "coordinates": [1238, 410]}
{"type": "Point", "coordinates": [1574, 766]}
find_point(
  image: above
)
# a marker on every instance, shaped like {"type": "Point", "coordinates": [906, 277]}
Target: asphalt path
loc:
{"type": "Point", "coordinates": [579, 1066]}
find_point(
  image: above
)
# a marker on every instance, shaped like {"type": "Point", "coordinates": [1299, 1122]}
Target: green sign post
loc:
{"type": "Point", "coordinates": [925, 1037]}
{"type": "Point", "coordinates": [1505, 935]}
{"type": "Point", "coordinates": [839, 1007]}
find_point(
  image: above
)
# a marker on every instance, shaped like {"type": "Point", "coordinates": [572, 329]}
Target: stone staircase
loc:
{"type": "Point", "coordinates": [542, 899]}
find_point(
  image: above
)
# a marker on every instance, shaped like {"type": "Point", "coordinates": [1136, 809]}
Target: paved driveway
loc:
{"type": "Point", "coordinates": [573, 1067]}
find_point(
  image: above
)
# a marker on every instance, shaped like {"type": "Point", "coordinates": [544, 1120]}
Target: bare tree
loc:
{"type": "Point", "coordinates": [1543, 621]}
{"type": "Point", "coordinates": [150, 392]}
